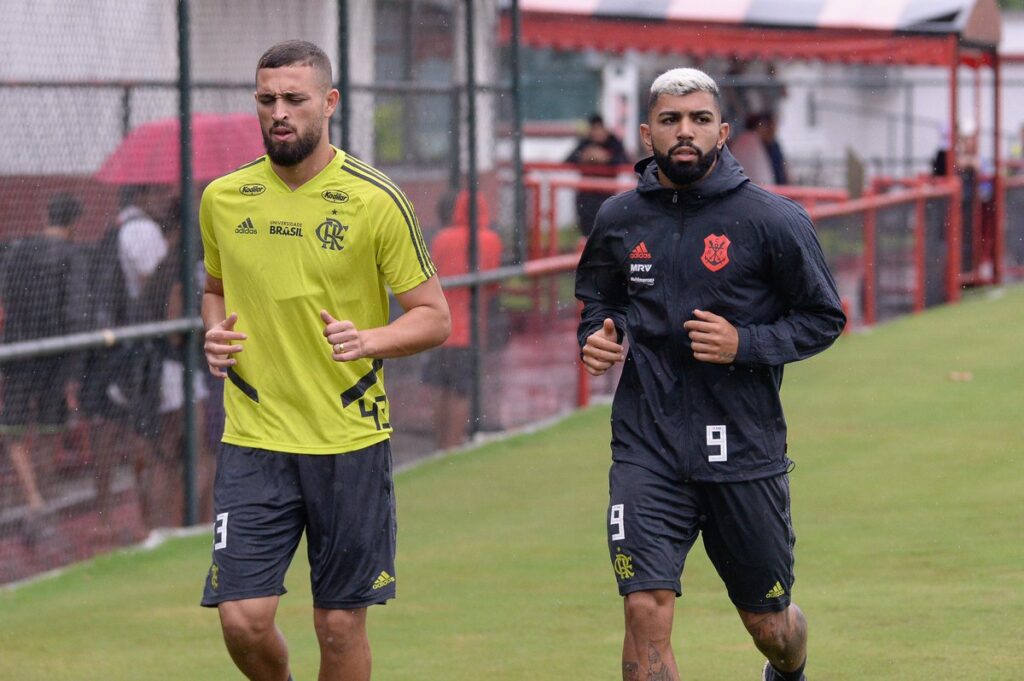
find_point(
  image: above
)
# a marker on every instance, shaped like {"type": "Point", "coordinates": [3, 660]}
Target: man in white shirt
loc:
{"type": "Point", "coordinates": [119, 412]}
{"type": "Point", "coordinates": [140, 243]}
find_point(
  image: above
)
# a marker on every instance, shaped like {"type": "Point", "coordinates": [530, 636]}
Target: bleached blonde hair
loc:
{"type": "Point", "coordinates": [683, 81]}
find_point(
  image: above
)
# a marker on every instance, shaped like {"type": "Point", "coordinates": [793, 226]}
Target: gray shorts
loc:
{"type": "Point", "coordinates": [345, 503]}
{"type": "Point", "coordinates": [748, 534]}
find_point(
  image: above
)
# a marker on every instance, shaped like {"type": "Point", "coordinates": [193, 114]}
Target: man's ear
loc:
{"type": "Point", "coordinates": [332, 101]}
{"type": "Point", "coordinates": [645, 136]}
{"type": "Point", "coordinates": [723, 134]}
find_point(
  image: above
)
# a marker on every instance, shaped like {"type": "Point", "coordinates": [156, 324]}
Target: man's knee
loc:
{"type": "Point", "coordinates": [650, 610]}
{"type": "Point", "coordinates": [340, 630]}
{"type": "Point", "coordinates": [776, 632]}
{"type": "Point", "coordinates": [247, 622]}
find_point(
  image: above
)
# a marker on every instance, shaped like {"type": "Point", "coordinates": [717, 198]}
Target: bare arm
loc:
{"type": "Point", "coordinates": [425, 323]}
{"type": "Point", "coordinates": [220, 333]}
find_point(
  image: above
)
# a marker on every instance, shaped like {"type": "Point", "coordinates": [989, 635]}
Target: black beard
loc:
{"type": "Point", "coordinates": [292, 153]}
{"type": "Point", "coordinates": [685, 172]}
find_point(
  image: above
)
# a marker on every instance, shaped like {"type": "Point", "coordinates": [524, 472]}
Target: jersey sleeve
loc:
{"type": "Point", "coordinates": [402, 255]}
{"type": "Point", "coordinates": [211, 251]}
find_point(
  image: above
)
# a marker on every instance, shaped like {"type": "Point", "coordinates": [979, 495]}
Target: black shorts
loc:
{"type": "Point", "coordinates": [31, 395]}
{"type": "Point", "coordinates": [746, 526]}
{"type": "Point", "coordinates": [450, 368]}
{"type": "Point", "coordinates": [264, 500]}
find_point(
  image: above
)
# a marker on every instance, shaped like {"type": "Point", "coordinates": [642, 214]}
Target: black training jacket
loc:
{"type": "Point", "coordinates": [726, 246]}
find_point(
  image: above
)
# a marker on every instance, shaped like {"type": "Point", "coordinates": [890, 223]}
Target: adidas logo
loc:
{"type": "Point", "coordinates": [246, 227]}
{"type": "Point", "coordinates": [640, 252]}
{"type": "Point", "coordinates": [382, 581]}
{"type": "Point", "coordinates": [776, 592]}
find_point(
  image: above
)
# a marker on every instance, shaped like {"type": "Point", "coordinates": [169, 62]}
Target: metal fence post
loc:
{"type": "Point", "coordinates": [344, 84]}
{"type": "Point", "coordinates": [471, 190]}
{"type": "Point", "coordinates": [188, 282]}
{"type": "Point", "coordinates": [870, 266]}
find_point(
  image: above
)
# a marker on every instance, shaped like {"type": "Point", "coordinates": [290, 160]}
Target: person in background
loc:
{"type": "Point", "coordinates": [767, 129]}
{"type": "Point", "coordinates": [42, 285]}
{"type": "Point", "coordinates": [448, 366]}
{"type": "Point", "coordinates": [120, 393]}
{"type": "Point", "coordinates": [159, 469]}
{"type": "Point", "coordinates": [1016, 160]}
{"type": "Point", "coordinates": [751, 153]}
{"type": "Point", "coordinates": [967, 166]}
{"type": "Point", "coordinates": [598, 153]}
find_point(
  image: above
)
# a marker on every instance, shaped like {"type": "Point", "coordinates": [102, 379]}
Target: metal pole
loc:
{"type": "Point", "coordinates": [955, 207]}
{"type": "Point", "coordinates": [471, 190]}
{"type": "Point", "coordinates": [908, 129]}
{"type": "Point", "coordinates": [954, 96]}
{"type": "Point", "coordinates": [190, 305]}
{"type": "Point", "coordinates": [455, 138]}
{"type": "Point", "coordinates": [519, 189]}
{"type": "Point", "coordinates": [344, 84]}
{"type": "Point", "coordinates": [126, 111]}
{"type": "Point", "coordinates": [999, 192]}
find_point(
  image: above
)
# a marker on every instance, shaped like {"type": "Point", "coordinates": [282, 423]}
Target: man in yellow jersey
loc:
{"type": "Point", "coordinates": [299, 246]}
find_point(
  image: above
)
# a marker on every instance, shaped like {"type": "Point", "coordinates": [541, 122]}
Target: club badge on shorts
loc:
{"type": "Point", "coordinates": [716, 252]}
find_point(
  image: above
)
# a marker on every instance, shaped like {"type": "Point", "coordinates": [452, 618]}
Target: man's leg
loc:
{"type": "Point", "coordinates": [647, 648]}
{"type": "Point", "coordinates": [107, 441]}
{"type": "Point", "coordinates": [22, 462]}
{"type": "Point", "coordinates": [253, 640]}
{"type": "Point", "coordinates": [781, 637]}
{"type": "Point", "coordinates": [344, 646]}
{"type": "Point", "coordinates": [453, 415]}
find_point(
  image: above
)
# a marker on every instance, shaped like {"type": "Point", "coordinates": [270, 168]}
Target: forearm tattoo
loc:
{"type": "Point", "coordinates": [630, 671]}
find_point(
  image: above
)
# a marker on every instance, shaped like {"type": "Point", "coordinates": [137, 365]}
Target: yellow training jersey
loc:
{"type": "Point", "coordinates": [333, 244]}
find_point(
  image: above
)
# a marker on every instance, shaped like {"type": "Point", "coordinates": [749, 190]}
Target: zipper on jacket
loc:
{"type": "Point", "coordinates": [683, 463]}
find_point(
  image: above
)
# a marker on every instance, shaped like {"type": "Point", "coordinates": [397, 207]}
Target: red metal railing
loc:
{"type": "Point", "coordinates": [544, 182]}
{"type": "Point", "coordinates": [546, 256]}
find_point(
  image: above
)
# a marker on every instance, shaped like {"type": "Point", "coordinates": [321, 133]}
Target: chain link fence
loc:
{"type": "Point", "coordinates": [105, 433]}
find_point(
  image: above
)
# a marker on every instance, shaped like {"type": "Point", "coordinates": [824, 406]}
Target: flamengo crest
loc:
{"type": "Point", "coordinates": [716, 252]}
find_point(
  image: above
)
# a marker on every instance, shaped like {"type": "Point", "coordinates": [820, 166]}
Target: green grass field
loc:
{"type": "Point", "coordinates": [908, 502]}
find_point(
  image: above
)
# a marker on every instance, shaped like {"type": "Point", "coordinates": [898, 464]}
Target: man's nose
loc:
{"type": "Point", "coordinates": [684, 131]}
{"type": "Point", "coordinates": [280, 111]}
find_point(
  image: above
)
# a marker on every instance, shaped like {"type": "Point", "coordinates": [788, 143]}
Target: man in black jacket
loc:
{"type": "Point", "coordinates": [716, 284]}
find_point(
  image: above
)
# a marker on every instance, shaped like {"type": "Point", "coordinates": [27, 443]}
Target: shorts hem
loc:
{"type": "Point", "coordinates": [353, 604]}
{"type": "Point", "coordinates": [650, 585]}
{"type": "Point", "coordinates": [214, 601]}
{"type": "Point", "coordinates": [775, 606]}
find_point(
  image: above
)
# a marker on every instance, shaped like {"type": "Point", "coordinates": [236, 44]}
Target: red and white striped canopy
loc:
{"type": "Point", "coordinates": [856, 31]}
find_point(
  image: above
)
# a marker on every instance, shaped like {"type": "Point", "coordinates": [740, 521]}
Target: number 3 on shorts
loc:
{"type": "Point", "coordinates": [220, 532]}
{"type": "Point", "coordinates": [716, 438]}
{"type": "Point", "coordinates": [618, 520]}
